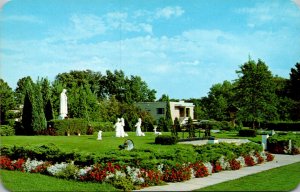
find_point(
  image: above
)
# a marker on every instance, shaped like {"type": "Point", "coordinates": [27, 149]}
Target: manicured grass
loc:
{"type": "Point", "coordinates": [285, 178]}
{"type": "Point", "coordinates": [89, 143]}
{"type": "Point", "coordinates": [19, 181]}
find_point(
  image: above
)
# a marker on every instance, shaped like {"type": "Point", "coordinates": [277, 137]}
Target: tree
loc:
{"type": "Point", "coordinates": [219, 98]}
{"type": "Point", "coordinates": [33, 117]}
{"type": "Point", "coordinates": [20, 90]}
{"type": "Point", "coordinates": [255, 93]}
{"type": "Point", "coordinates": [46, 95]}
{"type": "Point", "coordinates": [7, 101]}
{"type": "Point", "coordinates": [295, 91]}
{"type": "Point", "coordinates": [295, 82]}
{"type": "Point", "coordinates": [285, 103]}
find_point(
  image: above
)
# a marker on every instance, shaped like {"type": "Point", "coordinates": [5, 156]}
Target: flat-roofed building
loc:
{"type": "Point", "coordinates": [181, 110]}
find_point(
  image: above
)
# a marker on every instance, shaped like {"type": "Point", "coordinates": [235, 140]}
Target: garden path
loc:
{"type": "Point", "coordinates": [197, 183]}
{"type": "Point", "coordinates": [203, 142]}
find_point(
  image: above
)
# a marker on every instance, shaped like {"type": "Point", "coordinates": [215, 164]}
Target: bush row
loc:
{"type": "Point", "coordinates": [282, 126]}
{"type": "Point", "coordinates": [132, 177]}
{"type": "Point", "coordinates": [75, 127]}
{"type": "Point", "coordinates": [284, 143]}
{"type": "Point", "coordinates": [247, 133]}
{"type": "Point", "coordinates": [165, 140]}
{"type": "Point", "coordinates": [144, 158]}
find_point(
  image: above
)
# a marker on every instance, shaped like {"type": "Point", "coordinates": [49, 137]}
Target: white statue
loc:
{"type": "Point", "coordinates": [122, 132]}
{"type": "Point", "coordinates": [118, 127]}
{"type": "Point", "coordinates": [138, 128]}
{"type": "Point", "coordinates": [99, 135]}
{"type": "Point", "coordinates": [63, 110]}
{"type": "Point", "coordinates": [156, 132]}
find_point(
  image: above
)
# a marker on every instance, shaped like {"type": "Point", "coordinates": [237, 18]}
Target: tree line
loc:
{"type": "Point", "coordinates": [255, 96]}
{"type": "Point", "coordinates": [91, 96]}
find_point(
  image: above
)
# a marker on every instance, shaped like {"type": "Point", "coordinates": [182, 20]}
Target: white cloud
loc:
{"type": "Point", "coordinates": [168, 12]}
{"type": "Point", "coordinates": [270, 13]}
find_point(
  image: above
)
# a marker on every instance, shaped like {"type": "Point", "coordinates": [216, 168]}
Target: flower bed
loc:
{"type": "Point", "coordinates": [133, 177]}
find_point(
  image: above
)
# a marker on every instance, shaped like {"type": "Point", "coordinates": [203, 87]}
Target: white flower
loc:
{"type": "Point", "coordinates": [241, 160]}
{"type": "Point", "coordinates": [160, 168]}
{"type": "Point", "coordinates": [192, 173]}
{"type": "Point", "coordinates": [54, 169]}
{"type": "Point", "coordinates": [224, 164]}
{"type": "Point", "coordinates": [209, 167]}
{"type": "Point", "coordinates": [31, 164]}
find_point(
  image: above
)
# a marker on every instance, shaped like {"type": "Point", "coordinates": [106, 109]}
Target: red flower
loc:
{"type": "Point", "coordinates": [249, 160]}
{"type": "Point", "coordinates": [234, 164]}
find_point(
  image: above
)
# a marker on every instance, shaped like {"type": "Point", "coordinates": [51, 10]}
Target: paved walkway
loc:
{"type": "Point", "coordinates": [215, 178]}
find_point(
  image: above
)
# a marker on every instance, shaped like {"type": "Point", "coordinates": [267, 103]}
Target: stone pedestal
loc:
{"type": "Point", "coordinates": [264, 139]}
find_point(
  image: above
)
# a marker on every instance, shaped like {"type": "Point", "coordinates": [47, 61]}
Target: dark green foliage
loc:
{"type": "Point", "coordinates": [279, 143]}
{"type": "Point", "coordinates": [71, 126]}
{"type": "Point", "coordinates": [6, 130]}
{"type": "Point", "coordinates": [7, 101]}
{"type": "Point", "coordinates": [176, 127]}
{"type": "Point", "coordinates": [163, 124]}
{"type": "Point", "coordinates": [27, 117]}
{"type": "Point", "coordinates": [282, 126]}
{"type": "Point", "coordinates": [123, 183]}
{"type": "Point", "coordinates": [191, 128]}
{"type": "Point", "coordinates": [168, 116]}
{"type": "Point", "coordinates": [255, 93]}
{"type": "Point", "coordinates": [103, 126]}
{"type": "Point", "coordinates": [33, 117]}
{"type": "Point", "coordinates": [218, 100]}
{"type": "Point", "coordinates": [46, 95]}
{"type": "Point", "coordinates": [165, 140]}
{"type": "Point", "coordinates": [247, 133]}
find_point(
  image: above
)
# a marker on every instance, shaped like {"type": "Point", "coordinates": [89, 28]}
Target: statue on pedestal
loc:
{"type": "Point", "coordinates": [63, 110]}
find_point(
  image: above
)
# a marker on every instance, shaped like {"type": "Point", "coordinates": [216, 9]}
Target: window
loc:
{"type": "Point", "coordinates": [160, 111]}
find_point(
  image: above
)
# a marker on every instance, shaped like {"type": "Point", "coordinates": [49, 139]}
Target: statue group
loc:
{"type": "Point", "coordinates": [119, 127]}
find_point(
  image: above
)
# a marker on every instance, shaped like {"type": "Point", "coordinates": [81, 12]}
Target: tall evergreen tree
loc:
{"type": "Point", "coordinates": [295, 90]}
{"type": "Point", "coordinates": [7, 101]}
{"type": "Point", "coordinates": [33, 117]}
{"type": "Point", "coordinates": [255, 93]}
{"type": "Point", "coordinates": [46, 95]}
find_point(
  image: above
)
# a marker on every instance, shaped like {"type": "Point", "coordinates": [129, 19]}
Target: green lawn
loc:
{"type": "Point", "coordinates": [284, 178]}
{"type": "Point", "coordinates": [19, 181]}
{"type": "Point", "coordinates": [87, 143]}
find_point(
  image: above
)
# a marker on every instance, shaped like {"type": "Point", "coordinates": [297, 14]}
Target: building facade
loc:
{"type": "Point", "coordinates": [181, 110]}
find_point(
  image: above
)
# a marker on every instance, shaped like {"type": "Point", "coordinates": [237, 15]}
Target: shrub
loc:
{"type": "Point", "coordinates": [249, 161]}
{"type": "Point", "coordinates": [123, 183]}
{"type": "Point", "coordinates": [6, 130]}
{"type": "Point", "coordinates": [71, 126]}
{"type": "Point", "coordinates": [199, 169]}
{"type": "Point", "coordinates": [247, 133]}
{"type": "Point", "coordinates": [282, 126]}
{"type": "Point", "coordinates": [103, 126]}
{"type": "Point", "coordinates": [176, 173]}
{"type": "Point", "coordinates": [234, 164]}
{"type": "Point", "coordinates": [279, 143]}
{"type": "Point", "coordinates": [165, 140]}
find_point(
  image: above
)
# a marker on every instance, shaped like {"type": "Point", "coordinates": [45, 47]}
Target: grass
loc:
{"type": "Point", "coordinates": [87, 143]}
{"type": "Point", "coordinates": [285, 178]}
{"type": "Point", "coordinates": [19, 181]}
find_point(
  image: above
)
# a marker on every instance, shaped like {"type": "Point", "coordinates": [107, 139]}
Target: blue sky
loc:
{"type": "Point", "coordinates": [179, 47]}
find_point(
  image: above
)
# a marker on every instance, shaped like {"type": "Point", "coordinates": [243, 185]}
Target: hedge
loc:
{"type": "Point", "coordinates": [279, 143]}
{"type": "Point", "coordinates": [165, 140]}
{"type": "Point", "coordinates": [6, 130]}
{"type": "Point", "coordinates": [145, 158]}
{"type": "Point", "coordinates": [282, 126]}
{"type": "Point", "coordinates": [76, 126]}
{"type": "Point", "coordinates": [247, 133]}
